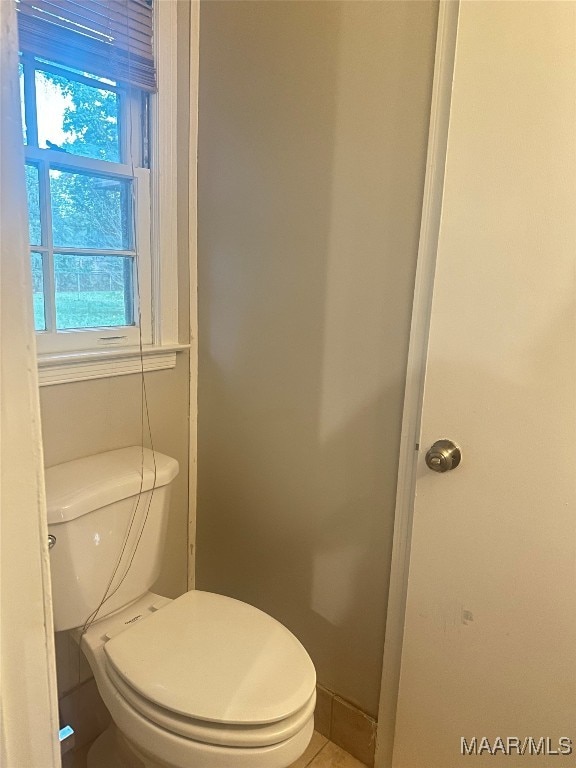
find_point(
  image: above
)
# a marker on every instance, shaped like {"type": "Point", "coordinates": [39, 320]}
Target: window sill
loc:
{"type": "Point", "coordinates": [63, 368]}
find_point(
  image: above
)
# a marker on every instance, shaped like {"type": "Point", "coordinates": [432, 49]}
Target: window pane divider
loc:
{"type": "Point", "coordinates": [48, 253]}
{"type": "Point", "coordinates": [65, 251]}
{"type": "Point", "coordinates": [66, 161]}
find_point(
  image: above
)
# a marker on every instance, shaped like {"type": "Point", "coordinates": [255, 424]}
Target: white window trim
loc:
{"type": "Point", "coordinates": [163, 109]}
{"type": "Point", "coordinates": [62, 367]}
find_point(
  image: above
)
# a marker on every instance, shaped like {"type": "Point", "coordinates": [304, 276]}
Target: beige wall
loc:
{"type": "Point", "coordinates": [82, 418]}
{"type": "Point", "coordinates": [313, 129]}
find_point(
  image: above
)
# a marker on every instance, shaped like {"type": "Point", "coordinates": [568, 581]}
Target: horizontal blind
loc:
{"type": "Point", "coordinates": [109, 38]}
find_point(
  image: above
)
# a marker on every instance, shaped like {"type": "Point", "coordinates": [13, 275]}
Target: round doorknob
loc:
{"type": "Point", "coordinates": [443, 456]}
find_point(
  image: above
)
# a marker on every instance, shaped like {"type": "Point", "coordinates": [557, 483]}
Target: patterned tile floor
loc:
{"type": "Point", "coordinates": [322, 753]}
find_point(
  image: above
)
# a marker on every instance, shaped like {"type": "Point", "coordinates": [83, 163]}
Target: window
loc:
{"type": "Point", "coordinates": [89, 207]}
{"type": "Point", "coordinates": [93, 147]}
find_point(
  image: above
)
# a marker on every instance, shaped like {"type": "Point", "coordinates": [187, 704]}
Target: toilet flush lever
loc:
{"type": "Point", "coordinates": [51, 540]}
{"type": "Point", "coordinates": [443, 456]}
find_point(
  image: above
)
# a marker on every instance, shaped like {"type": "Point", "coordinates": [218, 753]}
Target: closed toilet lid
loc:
{"type": "Point", "coordinates": [213, 658]}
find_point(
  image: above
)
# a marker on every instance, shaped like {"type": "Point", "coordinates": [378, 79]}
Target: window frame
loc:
{"type": "Point", "coordinates": [130, 145]}
{"type": "Point", "coordinates": [157, 241]}
{"type": "Point", "coordinates": [84, 339]}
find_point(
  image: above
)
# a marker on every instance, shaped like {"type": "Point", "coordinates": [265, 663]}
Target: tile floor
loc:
{"type": "Point", "coordinates": [321, 753]}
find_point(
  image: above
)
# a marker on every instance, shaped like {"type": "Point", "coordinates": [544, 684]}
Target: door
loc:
{"type": "Point", "coordinates": [29, 707]}
{"type": "Point", "coordinates": [488, 667]}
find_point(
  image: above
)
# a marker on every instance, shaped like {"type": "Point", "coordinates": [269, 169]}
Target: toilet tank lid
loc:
{"type": "Point", "coordinates": [84, 485]}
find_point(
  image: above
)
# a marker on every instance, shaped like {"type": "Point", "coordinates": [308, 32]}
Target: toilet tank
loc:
{"type": "Point", "coordinates": [108, 514]}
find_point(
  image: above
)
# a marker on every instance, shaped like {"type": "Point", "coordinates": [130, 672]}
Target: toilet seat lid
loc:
{"type": "Point", "coordinates": [216, 659]}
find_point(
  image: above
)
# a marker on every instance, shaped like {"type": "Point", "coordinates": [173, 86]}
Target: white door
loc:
{"type": "Point", "coordinates": [489, 648]}
{"type": "Point", "coordinates": [28, 705]}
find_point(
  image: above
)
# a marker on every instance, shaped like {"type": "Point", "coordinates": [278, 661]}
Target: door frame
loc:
{"type": "Point", "coordinates": [415, 374]}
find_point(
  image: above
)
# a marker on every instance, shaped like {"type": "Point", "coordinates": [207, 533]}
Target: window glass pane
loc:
{"type": "Point", "coordinates": [74, 70]}
{"type": "Point", "coordinates": [38, 292]}
{"type": "Point", "coordinates": [93, 291]}
{"type": "Point", "coordinates": [90, 211]}
{"type": "Point", "coordinates": [77, 118]}
{"type": "Point", "coordinates": [33, 192]}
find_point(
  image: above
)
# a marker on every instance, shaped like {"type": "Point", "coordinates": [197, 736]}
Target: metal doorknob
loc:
{"type": "Point", "coordinates": [443, 455]}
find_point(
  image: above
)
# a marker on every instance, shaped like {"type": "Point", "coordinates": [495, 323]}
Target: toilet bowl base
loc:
{"type": "Point", "coordinates": [104, 752]}
{"type": "Point", "coordinates": [113, 750]}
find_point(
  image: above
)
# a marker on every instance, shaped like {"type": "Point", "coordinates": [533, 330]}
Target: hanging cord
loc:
{"type": "Point", "coordinates": [145, 425]}
{"type": "Point", "coordinates": [145, 420]}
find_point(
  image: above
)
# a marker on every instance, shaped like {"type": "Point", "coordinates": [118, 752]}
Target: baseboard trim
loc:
{"type": "Point", "coordinates": [345, 725]}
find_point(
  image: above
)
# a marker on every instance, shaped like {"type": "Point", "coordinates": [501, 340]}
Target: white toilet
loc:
{"type": "Point", "coordinates": [203, 681]}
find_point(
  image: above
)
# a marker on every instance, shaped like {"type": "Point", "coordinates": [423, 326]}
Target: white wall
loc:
{"type": "Point", "coordinates": [313, 128]}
